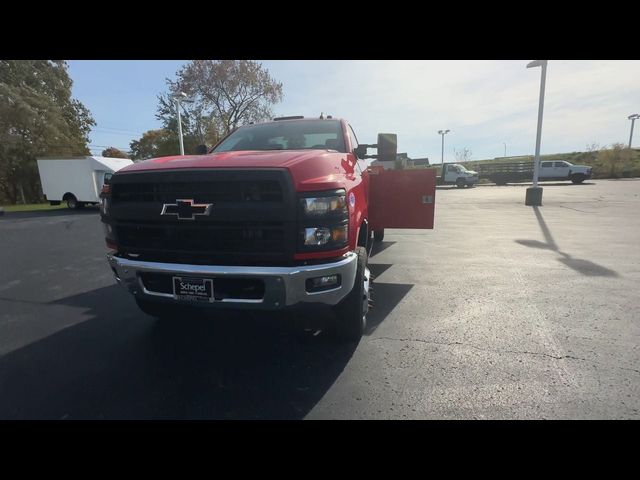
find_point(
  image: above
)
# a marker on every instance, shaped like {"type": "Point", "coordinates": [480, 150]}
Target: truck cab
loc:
{"type": "Point", "coordinates": [277, 214]}
{"type": "Point", "coordinates": [458, 175]}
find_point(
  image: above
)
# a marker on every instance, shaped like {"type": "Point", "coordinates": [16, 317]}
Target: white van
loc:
{"type": "Point", "coordinates": [77, 181]}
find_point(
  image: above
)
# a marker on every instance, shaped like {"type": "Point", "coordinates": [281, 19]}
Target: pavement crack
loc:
{"type": "Point", "coordinates": [470, 345]}
{"type": "Point", "coordinates": [576, 209]}
{"type": "Point", "coordinates": [517, 352]}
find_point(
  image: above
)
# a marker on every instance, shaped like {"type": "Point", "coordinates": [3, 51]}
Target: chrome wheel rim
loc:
{"type": "Point", "coordinates": [367, 292]}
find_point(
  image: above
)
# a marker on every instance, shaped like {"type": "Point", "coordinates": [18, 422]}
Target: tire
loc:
{"type": "Point", "coordinates": [460, 183]}
{"type": "Point", "coordinates": [72, 202]}
{"type": "Point", "coordinates": [378, 235]}
{"type": "Point", "coordinates": [577, 178]}
{"type": "Point", "coordinates": [351, 312]}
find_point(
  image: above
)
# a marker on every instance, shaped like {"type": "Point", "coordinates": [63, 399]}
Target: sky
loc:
{"type": "Point", "coordinates": [484, 104]}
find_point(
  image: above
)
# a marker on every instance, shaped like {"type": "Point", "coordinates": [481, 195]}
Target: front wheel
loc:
{"type": "Point", "coordinates": [577, 178]}
{"type": "Point", "coordinates": [351, 312]}
{"type": "Point", "coordinates": [460, 183]}
{"type": "Point", "coordinates": [378, 235]}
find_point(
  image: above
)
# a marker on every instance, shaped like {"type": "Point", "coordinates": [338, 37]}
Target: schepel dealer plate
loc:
{"type": "Point", "coordinates": [193, 289]}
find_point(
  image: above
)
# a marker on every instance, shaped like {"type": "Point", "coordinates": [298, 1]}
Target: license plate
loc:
{"type": "Point", "coordinates": [193, 289]}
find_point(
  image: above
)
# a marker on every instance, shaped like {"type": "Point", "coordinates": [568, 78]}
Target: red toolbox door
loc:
{"type": "Point", "coordinates": [402, 198]}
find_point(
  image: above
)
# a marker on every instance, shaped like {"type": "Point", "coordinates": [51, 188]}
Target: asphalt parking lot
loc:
{"type": "Point", "coordinates": [502, 311]}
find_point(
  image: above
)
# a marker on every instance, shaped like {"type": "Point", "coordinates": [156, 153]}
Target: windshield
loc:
{"type": "Point", "coordinates": [286, 135]}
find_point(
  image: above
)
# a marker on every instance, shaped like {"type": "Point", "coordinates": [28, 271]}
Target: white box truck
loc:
{"type": "Point", "coordinates": [77, 181]}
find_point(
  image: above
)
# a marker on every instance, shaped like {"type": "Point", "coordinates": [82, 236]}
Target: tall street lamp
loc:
{"type": "Point", "coordinates": [633, 119]}
{"type": "Point", "coordinates": [180, 96]}
{"type": "Point", "coordinates": [534, 194]}
{"type": "Point", "coordinates": [443, 133]}
{"type": "Point", "coordinates": [505, 149]}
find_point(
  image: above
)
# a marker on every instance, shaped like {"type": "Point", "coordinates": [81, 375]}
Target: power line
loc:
{"type": "Point", "coordinates": [116, 130]}
{"type": "Point", "coordinates": [117, 133]}
{"type": "Point", "coordinates": [107, 146]}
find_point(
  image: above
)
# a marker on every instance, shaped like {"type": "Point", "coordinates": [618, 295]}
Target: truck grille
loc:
{"type": "Point", "coordinates": [251, 221]}
{"type": "Point", "coordinates": [213, 237]}
{"type": "Point", "coordinates": [200, 191]}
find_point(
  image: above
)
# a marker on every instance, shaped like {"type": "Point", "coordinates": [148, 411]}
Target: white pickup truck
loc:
{"type": "Point", "coordinates": [458, 175]}
{"type": "Point", "coordinates": [503, 173]}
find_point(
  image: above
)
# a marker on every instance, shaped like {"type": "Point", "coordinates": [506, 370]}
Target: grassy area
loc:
{"type": "Point", "coordinates": [33, 207]}
{"type": "Point", "coordinates": [629, 168]}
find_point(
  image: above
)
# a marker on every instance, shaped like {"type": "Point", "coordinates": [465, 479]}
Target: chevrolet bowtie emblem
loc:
{"type": "Point", "coordinates": [185, 209]}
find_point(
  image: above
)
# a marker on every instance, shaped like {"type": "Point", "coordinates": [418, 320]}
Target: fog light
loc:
{"type": "Point", "coordinates": [319, 284]}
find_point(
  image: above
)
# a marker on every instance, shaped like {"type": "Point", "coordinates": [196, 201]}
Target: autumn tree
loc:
{"type": "Point", "coordinates": [225, 94]}
{"type": "Point", "coordinates": [38, 117]}
{"type": "Point", "coordinates": [113, 152]}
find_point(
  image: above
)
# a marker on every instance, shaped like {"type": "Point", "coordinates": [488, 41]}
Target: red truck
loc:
{"type": "Point", "coordinates": [277, 214]}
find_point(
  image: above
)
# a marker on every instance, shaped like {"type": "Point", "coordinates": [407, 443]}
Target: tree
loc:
{"type": "Point", "coordinates": [159, 143]}
{"type": "Point", "coordinates": [613, 158]}
{"type": "Point", "coordinates": [226, 94]}
{"type": "Point", "coordinates": [463, 155]}
{"type": "Point", "coordinates": [113, 152]}
{"type": "Point", "coordinates": [38, 117]}
{"type": "Point", "coordinates": [593, 147]}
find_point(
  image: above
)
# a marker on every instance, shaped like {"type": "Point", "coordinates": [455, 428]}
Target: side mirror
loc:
{"type": "Point", "coordinates": [360, 151]}
{"type": "Point", "coordinates": [387, 146]}
{"type": "Point", "coordinates": [202, 150]}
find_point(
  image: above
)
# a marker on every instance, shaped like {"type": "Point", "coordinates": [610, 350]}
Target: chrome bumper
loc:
{"type": "Point", "coordinates": [284, 286]}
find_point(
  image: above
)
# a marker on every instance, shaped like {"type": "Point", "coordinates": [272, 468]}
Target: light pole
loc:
{"type": "Point", "coordinates": [534, 194]}
{"type": "Point", "coordinates": [443, 133]}
{"type": "Point", "coordinates": [505, 149]}
{"type": "Point", "coordinates": [177, 97]}
{"type": "Point", "coordinates": [633, 119]}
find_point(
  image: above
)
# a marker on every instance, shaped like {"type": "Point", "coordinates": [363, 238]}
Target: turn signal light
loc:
{"type": "Point", "coordinates": [339, 234]}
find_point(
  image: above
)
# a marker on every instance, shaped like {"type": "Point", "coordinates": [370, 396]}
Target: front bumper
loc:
{"type": "Point", "coordinates": [283, 286]}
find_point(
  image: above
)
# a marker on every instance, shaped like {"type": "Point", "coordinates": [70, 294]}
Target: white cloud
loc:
{"type": "Point", "coordinates": [484, 103]}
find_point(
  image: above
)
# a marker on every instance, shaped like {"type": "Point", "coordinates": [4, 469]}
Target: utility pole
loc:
{"type": "Point", "coordinates": [443, 133]}
{"type": "Point", "coordinates": [633, 119]}
{"type": "Point", "coordinates": [534, 194]}
{"type": "Point", "coordinates": [177, 97]}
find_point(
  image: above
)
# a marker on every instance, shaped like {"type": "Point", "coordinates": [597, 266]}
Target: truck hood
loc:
{"type": "Point", "coordinates": [309, 169]}
{"type": "Point", "coordinates": [237, 159]}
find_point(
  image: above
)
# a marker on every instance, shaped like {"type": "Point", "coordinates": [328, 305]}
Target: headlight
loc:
{"type": "Point", "coordinates": [323, 221]}
{"type": "Point", "coordinates": [324, 235]}
{"type": "Point", "coordinates": [319, 206]}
